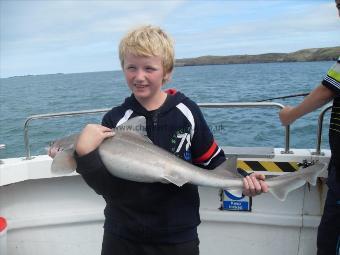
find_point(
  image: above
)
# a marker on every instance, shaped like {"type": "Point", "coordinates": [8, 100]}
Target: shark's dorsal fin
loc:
{"type": "Point", "coordinates": [227, 168]}
{"type": "Point", "coordinates": [136, 125]}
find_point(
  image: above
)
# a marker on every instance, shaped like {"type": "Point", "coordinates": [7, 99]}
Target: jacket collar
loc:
{"type": "Point", "coordinates": [173, 99]}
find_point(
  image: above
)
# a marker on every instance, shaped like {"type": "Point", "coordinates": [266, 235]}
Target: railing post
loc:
{"type": "Point", "coordinates": [287, 141]}
{"type": "Point", "coordinates": [319, 131]}
{"type": "Point", "coordinates": [26, 138]}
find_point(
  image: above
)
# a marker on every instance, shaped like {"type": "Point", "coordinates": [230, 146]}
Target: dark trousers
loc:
{"type": "Point", "coordinates": [328, 241]}
{"type": "Point", "coordinates": [114, 245]}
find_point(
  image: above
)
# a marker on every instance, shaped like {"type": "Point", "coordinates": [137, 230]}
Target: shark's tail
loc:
{"type": "Point", "coordinates": [281, 190]}
{"type": "Point", "coordinates": [281, 185]}
{"type": "Point", "coordinates": [311, 173]}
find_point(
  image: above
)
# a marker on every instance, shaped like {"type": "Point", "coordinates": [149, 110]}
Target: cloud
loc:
{"type": "Point", "coordinates": [65, 36]}
{"type": "Point", "coordinates": [36, 31]}
{"type": "Point", "coordinates": [75, 21]}
{"type": "Point", "coordinates": [266, 27]}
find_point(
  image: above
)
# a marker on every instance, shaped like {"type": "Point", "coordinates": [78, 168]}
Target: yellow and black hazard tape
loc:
{"type": "Point", "coordinates": [270, 166]}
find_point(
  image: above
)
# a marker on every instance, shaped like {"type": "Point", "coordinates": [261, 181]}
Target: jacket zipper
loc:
{"type": "Point", "coordinates": [154, 119]}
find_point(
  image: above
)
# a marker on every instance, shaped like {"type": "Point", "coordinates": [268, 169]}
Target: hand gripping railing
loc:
{"type": "Point", "coordinates": [203, 105]}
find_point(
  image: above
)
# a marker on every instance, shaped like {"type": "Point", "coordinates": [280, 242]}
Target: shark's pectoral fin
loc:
{"type": "Point", "coordinates": [175, 179]}
{"type": "Point", "coordinates": [64, 163]}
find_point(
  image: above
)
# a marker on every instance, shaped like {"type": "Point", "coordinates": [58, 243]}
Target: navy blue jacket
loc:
{"type": "Point", "coordinates": [155, 212]}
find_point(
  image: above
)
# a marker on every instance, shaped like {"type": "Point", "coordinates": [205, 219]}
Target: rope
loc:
{"type": "Point", "coordinates": [295, 95]}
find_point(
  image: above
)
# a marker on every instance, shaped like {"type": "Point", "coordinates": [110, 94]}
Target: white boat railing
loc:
{"type": "Point", "coordinates": [53, 115]}
{"type": "Point", "coordinates": [203, 105]}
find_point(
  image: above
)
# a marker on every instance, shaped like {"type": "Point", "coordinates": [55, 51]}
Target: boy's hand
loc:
{"type": "Point", "coordinates": [254, 184]}
{"type": "Point", "coordinates": [91, 137]}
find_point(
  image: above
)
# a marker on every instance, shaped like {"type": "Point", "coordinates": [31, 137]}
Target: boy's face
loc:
{"type": "Point", "coordinates": [144, 76]}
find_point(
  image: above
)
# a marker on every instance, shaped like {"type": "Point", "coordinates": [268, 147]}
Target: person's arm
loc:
{"type": "Point", "coordinates": [317, 98]}
{"type": "Point", "coordinates": [89, 163]}
{"type": "Point", "coordinates": [91, 137]}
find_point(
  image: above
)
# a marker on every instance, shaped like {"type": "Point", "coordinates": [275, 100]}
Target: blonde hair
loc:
{"type": "Point", "coordinates": [147, 41]}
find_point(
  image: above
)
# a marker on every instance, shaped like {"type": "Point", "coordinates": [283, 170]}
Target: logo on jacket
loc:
{"type": "Point", "coordinates": [182, 141]}
{"type": "Point", "coordinates": [185, 139]}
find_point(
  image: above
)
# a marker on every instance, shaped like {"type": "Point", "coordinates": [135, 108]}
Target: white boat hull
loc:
{"type": "Point", "coordinates": [62, 215]}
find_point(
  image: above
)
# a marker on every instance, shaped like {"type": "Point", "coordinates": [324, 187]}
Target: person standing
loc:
{"type": "Point", "coordinates": [152, 218]}
{"type": "Point", "coordinates": [328, 239]}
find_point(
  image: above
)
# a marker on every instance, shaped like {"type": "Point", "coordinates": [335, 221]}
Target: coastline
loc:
{"type": "Point", "coordinates": [305, 55]}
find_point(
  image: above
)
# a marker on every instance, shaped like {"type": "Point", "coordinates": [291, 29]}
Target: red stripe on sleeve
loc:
{"type": "Point", "coordinates": [207, 154]}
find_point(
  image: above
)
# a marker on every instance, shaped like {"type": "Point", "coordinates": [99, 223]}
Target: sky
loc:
{"type": "Point", "coordinates": [53, 36]}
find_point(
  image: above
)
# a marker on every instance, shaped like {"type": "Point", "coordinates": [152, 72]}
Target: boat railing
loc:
{"type": "Point", "coordinates": [203, 105]}
{"type": "Point", "coordinates": [49, 116]}
{"type": "Point", "coordinates": [319, 130]}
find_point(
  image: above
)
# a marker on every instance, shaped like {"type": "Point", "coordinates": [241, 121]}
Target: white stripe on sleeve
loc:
{"type": "Point", "coordinates": [187, 113]}
{"type": "Point", "coordinates": [126, 116]}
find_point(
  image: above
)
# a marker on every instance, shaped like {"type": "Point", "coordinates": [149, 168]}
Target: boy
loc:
{"type": "Point", "coordinates": [152, 218]}
{"type": "Point", "coordinates": [328, 240]}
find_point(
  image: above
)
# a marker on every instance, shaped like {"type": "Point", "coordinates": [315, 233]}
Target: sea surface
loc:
{"type": "Point", "coordinates": [21, 97]}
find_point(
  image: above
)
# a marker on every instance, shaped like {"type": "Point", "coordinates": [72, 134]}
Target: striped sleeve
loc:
{"type": "Point", "coordinates": [205, 151]}
{"type": "Point", "coordinates": [332, 79]}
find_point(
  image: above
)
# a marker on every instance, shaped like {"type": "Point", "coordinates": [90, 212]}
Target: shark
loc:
{"type": "Point", "coordinates": [131, 155]}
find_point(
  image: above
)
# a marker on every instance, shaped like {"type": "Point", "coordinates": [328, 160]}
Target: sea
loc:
{"type": "Point", "coordinates": [24, 96]}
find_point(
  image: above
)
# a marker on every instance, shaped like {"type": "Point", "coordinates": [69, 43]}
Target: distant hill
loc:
{"type": "Point", "coordinates": [316, 54]}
